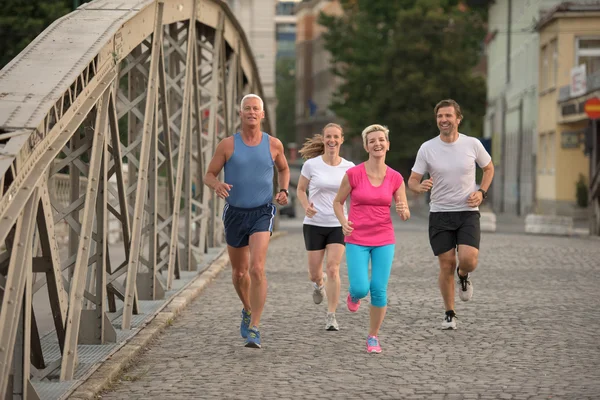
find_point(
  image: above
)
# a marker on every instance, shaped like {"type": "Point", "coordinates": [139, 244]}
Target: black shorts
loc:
{"type": "Point", "coordinates": [449, 229]}
{"type": "Point", "coordinates": [240, 223]}
{"type": "Point", "coordinates": [318, 237]}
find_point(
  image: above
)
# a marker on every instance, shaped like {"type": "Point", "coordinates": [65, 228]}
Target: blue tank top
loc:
{"type": "Point", "coordinates": [250, 171]}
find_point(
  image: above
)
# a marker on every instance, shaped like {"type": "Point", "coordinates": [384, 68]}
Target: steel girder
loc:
{"type": "Point", "coordinates": [127, 100]}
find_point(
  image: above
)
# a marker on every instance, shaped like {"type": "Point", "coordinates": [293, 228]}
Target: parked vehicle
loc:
{"type": "Point", "coordinates": [289, 209]}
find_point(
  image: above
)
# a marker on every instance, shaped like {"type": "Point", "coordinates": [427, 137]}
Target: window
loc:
{"type": "Point", "coordinates": [588, 53]}
{"type": "Point", "coordinates": [544, 84]}
{"type": "Point", "coordinates": [285, 8]}
{"type": "Point", "coordinates": [554, 66]}
{"type": "Point", "coordinates": [551, 161]}
{"type": "Point", "coordinates": [543, 148]}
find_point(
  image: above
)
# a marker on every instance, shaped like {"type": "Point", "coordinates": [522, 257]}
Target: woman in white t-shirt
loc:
{"type": "Point", "coordinates": [322, 174]}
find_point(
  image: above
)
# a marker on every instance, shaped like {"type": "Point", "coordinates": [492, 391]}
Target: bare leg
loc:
{"type": "Point", "coordinates": [335, 252]}
{"type": "Point", "coordinates": [240, 264]}
{"type": "Point", "coordinates": [467, 259]}
{"type": "Point", "coordinates": [447, 262]}
{"type": "Point", "coordinates": [377, 314]}
{"type": "Point", "coordinates": [315, 266]}
{"type": "Point", "coordinates": [259, 244]}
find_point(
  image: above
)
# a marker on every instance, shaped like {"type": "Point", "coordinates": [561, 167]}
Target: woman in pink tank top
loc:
{"type": "Point", "coordinates": [369, 233]}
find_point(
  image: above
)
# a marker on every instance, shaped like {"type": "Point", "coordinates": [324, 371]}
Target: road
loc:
{"type": "Point", "coordinates": [532, 331]}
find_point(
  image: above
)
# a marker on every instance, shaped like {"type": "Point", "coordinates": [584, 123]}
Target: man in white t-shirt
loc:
{"type": "Point", "coordinates": [450, 160]}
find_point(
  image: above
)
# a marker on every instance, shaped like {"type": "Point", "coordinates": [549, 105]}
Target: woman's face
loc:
{"type": "Point", "coordinates": [377, 144]}
{"type": "Point", "coordinates": [333, 139]}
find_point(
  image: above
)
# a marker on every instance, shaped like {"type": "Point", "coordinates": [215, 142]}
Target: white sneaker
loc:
{"type": "Point", "coordinates": [331, 323]}
{"type": "Point", "coordinates": [318, 293]}
{"type": "Point", "coordinates": [464, 287]}
{"type": "Point", "coordinates": [449, 321]}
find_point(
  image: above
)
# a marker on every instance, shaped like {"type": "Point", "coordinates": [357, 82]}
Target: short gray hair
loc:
{"type": "Point", "coordinates": [250, 96]}
{"type": "Point", "coordinates": [375, 128]}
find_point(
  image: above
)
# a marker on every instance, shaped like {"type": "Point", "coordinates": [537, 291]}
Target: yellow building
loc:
{"type": "Point", "coordinates": [569, 38]}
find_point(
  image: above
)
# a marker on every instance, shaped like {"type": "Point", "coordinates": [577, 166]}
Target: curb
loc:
{"type": "Point", "coordinates": [111, 369]}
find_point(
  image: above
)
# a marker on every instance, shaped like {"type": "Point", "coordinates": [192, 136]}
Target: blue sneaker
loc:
{"type": "Point", "coordinates": [245, 324]}
{"type": "Point", "coordinates": [253, 339]}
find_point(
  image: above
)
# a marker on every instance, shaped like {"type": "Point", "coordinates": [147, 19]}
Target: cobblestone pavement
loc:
{"type": "Point", "coordinates": [532, 331]}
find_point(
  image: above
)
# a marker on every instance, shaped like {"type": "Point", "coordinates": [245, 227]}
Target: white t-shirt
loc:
{"type": "Point", "coordinates": [324, 183]}
{"type": "Point", "coordinates": [452, 170]}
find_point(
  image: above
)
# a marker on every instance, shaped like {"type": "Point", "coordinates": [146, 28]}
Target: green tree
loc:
{"type": "Point", "coordinates": [21, 21]}
{"type": "Point", "coordinates": [398, 59]}
{"type": "Point", "coordinates": [285, 88]}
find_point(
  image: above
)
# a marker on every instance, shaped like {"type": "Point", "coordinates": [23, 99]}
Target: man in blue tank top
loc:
{"type": "Point", "coordinates": [248, 158]}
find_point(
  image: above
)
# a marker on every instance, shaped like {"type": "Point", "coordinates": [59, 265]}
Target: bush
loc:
{"type": "Point", "coordinates": [582, 192]}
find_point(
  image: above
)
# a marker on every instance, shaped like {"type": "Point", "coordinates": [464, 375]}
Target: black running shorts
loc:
{"type": "Point", "coordinates": [449, 229]}
{"type": "Point", "coordinates": [241, 223]}
{"type": "Point", "coordinates": [318, 237]}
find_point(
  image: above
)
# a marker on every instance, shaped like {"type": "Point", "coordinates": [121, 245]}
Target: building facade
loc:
{"type": "Point", "coordinates": [285, 28]}
{"type": "Point", "coordinates": [512, 101]}
{"type": "Point", "coordinates": [569, 74]}
{"type": "Point", "coordinates": [315, 84]}
{"type": "Point", "coordinates": [257, 18]}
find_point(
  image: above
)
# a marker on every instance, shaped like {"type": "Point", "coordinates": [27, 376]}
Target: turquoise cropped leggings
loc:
{"type": "Point", "coordinates": [357, 258]}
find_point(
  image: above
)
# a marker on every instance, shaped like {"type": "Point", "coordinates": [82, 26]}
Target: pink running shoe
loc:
{"type": "Point", "coordinates": [373, 345]}
{"type": "Point", "coordinates": [352, 305]}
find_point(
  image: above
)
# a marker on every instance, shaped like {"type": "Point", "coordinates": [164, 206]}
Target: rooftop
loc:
{"type": "Point", "coordinates": [562, 9]}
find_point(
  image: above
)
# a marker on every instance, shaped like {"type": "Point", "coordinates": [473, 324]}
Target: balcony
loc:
{"type": "Point", "coordinates": [593, 83]}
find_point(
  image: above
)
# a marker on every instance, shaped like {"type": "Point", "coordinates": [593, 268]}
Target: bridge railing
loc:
{"type": "Point", "coordinates": [124, 101]}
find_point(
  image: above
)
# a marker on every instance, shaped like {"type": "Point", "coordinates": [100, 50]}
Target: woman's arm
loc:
{"type": "Point", "coordinates": [338, 205]}
{"type": "Point", "coordinates": [402, 203]}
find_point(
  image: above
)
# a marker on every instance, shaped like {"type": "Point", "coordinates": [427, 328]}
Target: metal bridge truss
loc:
{"type": "Point", "coordinates": [128, 99]}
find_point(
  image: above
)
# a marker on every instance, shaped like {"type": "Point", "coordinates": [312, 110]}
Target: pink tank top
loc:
{"type": "Point", "coordinates": [370, 207]}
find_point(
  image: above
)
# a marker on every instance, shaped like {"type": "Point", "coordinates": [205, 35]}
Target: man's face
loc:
{"type": "Point", "coordinates": [252, 112]}
{"type": "Point", "coordinates": [447, 121]}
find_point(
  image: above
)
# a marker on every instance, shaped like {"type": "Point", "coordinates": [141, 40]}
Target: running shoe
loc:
{"type": "Point", "coordinates": [331, 323]}
{"type": "Point", "coordinates": [464, 286]}
{"type": "Point", "coordinates": [373, 344]}
{"type": "Point", "coordinates": [253, 339]}
{"type": "Point", "coordinates": [449, 321]}
{"type": "Point", "coordinates": [318, 293]}
{"type": "Point", "coordinates": [352, 303]}
{"type": "Point", "coordinates": [245, 323]}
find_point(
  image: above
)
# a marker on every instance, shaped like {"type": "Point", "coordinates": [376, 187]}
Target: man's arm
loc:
{"type": "Point", "coordinates": [476, 198]}
{"type": "Point", "coordinates": [283, 171]}
{"type": "Point", "coordinates": [414, 181]}
{"type": "Point", "coordinates": [214, 169]}
{"type": "Point", "coordinates": [415, 184]}
{"type": "Point", "coordinates": [488, 175]}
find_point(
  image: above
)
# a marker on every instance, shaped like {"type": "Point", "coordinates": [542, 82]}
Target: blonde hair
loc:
{"type": "Point", "coordinates": [315, 146]}
{"type": "Point", "coordinates": [375, 128]}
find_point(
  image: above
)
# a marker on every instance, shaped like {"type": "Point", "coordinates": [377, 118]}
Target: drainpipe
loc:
{"type": "Point", "coordinates": [520, 157]}
{"type": "Point", "coordinates": [503, 154]}
{"type": "Point", "coordinates": [508, 40]}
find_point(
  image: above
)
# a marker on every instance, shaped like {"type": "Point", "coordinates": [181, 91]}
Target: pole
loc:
{"type": "Point", "coordinates": [594, 206]}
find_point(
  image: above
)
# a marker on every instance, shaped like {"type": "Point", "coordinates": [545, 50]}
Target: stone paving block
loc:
{"type": "Point", "coordinates": [487, 221]}
{"type": "Point", "coordinates": [549, 224]}
{"type": "Point", "coordinates": [529, 331]}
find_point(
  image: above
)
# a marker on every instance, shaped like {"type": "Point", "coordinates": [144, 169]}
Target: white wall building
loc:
{"type": "Point", "coordinates": [512, 100]}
